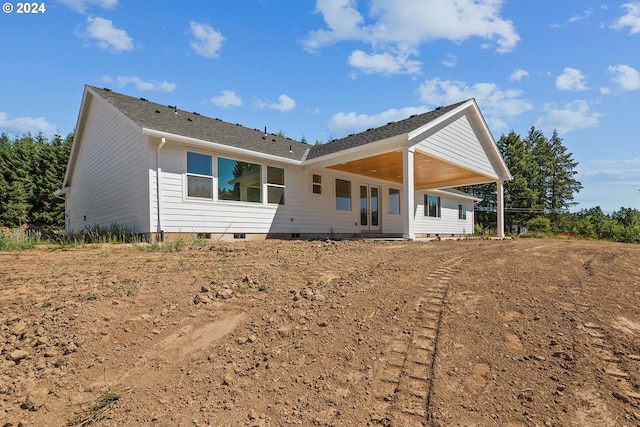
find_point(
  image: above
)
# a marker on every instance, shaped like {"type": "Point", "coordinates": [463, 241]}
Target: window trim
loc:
{"type": "Point", "coordinates": [315, 184]}
{"type": "Point", "coordinates": [399, 201]}
{"type": "Point", "coordinates": [263, 184]}
{"type": "Point", "coordinates": [438, 213]}
{"type": "Point", "coordinates": [212, 177]}
{"type": "Point", "coordinates": [462, 212]}
{"type": "Point", "coordinates": [270, 185]}
{"type": "Point", "coordinates": [350, 195]}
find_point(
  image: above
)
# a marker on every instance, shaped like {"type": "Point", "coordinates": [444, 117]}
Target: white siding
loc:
{"type": "Point", "coordinates": [448, 223]}
{"type": "Point", "coordinates": [303, 211]}
{"type": "Point", "coordinates": [457, 143]}
{"type": "Point", "coordinates": [110, 180]}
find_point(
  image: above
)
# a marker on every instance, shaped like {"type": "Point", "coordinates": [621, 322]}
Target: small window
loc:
{"type": "Point", "coordinates": [462, 211]}
{"type": "Point", "coordinates": [239, 181]}
{"type": "Point", "coordinates": [432, 206]}
{"type": "Point", "coordinates": [343, 195]}
{"type": "Point", "coordinates": [317, 184]}
{"type": "Point", "coordinates": [275, 185]}
{"type": "Point", "coordinates": [394, 201]}
{"type": "Point", "coordinates": [199, 175]}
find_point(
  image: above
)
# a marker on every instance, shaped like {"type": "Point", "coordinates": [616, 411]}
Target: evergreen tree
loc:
{"type": "Point", "coordinates": [561, 182]}
{"type": "Point", "coordinates": [520, 197]}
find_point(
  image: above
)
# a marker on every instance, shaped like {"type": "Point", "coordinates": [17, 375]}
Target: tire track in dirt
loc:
{"type": "Point", "coordinates": [404, 386]}
{"type": "Point", "coordinates": [616, 364]}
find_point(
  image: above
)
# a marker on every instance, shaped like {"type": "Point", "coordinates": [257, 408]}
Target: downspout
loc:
{"type": "Point", "coordinates": [158, 193]}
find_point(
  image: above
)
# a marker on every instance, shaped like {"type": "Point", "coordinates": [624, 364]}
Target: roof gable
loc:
{"type": "Point", "coordinates": [380, 133]}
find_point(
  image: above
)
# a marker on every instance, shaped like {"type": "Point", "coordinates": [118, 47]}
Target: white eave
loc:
{"type": "Point", "coordinates": [218, 147]}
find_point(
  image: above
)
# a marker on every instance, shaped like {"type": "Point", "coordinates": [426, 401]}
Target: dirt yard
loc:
{"type": "Point", "coordinates": [452, 333]}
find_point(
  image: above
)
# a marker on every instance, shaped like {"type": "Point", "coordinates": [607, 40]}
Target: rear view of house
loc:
{"type": "Point", "coordinates": [163, 171]}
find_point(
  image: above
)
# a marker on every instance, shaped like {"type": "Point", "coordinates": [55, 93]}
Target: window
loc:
{"type": "Point", "coordinates": [394, 201]}
{"type": "Point", "coordinates": [199, 175]}
{"type": "Point", "coordinates": [431, 206]}
{"type": "Point", "coordinates": [239, 181]}
{"type": "Point", "coordinates": [462, 211]}
{"type": "Point", "coordinates": [343, 195]}
{"type": "Point", "coordinates": [317, 184]}
{"type": "Point", "coordinates": [275, 185]}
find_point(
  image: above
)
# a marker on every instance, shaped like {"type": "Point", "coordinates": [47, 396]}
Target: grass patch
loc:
{"type": "Point", "coordinates": [19, 240]}
{"type": "Point", "coordinates": [97, 410]}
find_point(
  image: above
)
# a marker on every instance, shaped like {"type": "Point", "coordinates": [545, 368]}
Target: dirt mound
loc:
{"type": "Point", "coordinates": [512, 333]}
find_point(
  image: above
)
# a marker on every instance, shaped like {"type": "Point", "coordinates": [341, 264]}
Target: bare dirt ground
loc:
{"type": "Point", "coordinates": [452, 333]}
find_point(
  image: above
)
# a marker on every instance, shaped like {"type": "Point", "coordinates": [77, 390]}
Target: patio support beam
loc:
{"type": "Point", "coordinates": [408, 189]}
{"type": "Point", "coordinates": [500, 208]}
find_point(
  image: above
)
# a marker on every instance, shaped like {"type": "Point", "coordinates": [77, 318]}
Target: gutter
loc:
{"type": "Point", "coordinates": [219, 147]}
{"type": "Point", "coordinates": [158, 191]}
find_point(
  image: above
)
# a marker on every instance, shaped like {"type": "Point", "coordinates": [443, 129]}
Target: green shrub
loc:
{"type": "Point", "coordinates": [539, 224]}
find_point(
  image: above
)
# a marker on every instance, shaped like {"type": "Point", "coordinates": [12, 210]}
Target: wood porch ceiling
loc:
{"type": "Point", "coordinates": [428, 171]}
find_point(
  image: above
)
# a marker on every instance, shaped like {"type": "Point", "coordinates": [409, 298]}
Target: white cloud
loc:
{"type": "Point", "coordinates": [383, 63]}
{"type": "Point", "coordinates": [571, 79]}
{"type": "Point", "coordinates": [207, 42]}
{"type": "Point", "coordinates": [346, 123]}
{"type": "Point", "coordinates": [399, 28]}
{"type": "Point", "coordinates": [23, 125]}
{"type": "Point", "coordinates": [284, 104]}
{"type": "Point", "coordinates": [121, 81]}
{"type": "Point", "coordinates": [572, 116]}
{"type": "Point", "coordinates": [628, 78]}
{"type": "Point", "coordinates": [496, 103]}
{"type": "Point", "coordinates": [449, 60]}
{"type": "Point", "coordinates": [518, 74]}
{"type": "Point", "coordinates": [576, 18]}
{"type": "Point", "coordinates": [631, 19]}
{"type": "Point", "coordinates": [227, 99]}
{"type": "Point", "coordinates": [81, 6]}
{"type": "Point", "coordinates": [108, 36]}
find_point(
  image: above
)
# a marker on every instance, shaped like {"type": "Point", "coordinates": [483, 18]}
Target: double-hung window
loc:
{"type": "Point", "coordinates": [431, 206]}
{"type": "Point", "coordinates": [462, 211]}
{"type": "Point", "coordinates": [394, 201]}
{"type": "Point", "coordinates": [199, 175]}
{"type": "Point", "coordinates": [275, 185]}
{"type": "Point", "coordinates": [343, 195]}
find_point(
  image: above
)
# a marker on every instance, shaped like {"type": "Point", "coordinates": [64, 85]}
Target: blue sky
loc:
{"type": "Point", "coordinates": [328, 68]}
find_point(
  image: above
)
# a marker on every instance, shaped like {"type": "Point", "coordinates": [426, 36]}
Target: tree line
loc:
{"type": "Point", "coordinates": [542, 192]}
{"type": "Point", "coordinates": [31, 169]}
{"type": "Point", "coordinates": [538, 198]}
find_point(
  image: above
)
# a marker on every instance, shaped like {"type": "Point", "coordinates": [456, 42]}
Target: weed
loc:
{"type": "Point", "coordinates": [20, 240]}
{"type": "Point", "coordinates": [93, 296]}
{"type": "Point", "coordinates": [46, 304]}
{"type": "Point", "coordinates": [97, 410]}
{"type": "Point", "coordinates": [262, 288]}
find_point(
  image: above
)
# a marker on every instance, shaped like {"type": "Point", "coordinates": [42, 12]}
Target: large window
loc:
{"type": "Point", "coordinates": [343, 195]}
{"type": "Point", "coordinates": [432, 206]}
{"type": "Point", "coordinates": [275, 185]}
{"type": "Point", "coordinates": [239, 181]}
{"type": "Point", "coordinates": [199, 175]}
{"type": "Point", "coordinates": [462, 211]}
{"type": "Point", "coordinates": [394, 201]}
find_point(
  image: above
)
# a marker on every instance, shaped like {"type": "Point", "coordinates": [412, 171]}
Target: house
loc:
{"type": "Point", "coordinates": [166, 172]}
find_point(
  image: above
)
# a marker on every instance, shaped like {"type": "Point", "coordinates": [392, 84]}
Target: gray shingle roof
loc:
{"type": "Point", "coordinates": [376, 134]}
{"type": "Point", "coordinates": [163, 118]}
{"type": "Point", "coordinates": [151, 115]}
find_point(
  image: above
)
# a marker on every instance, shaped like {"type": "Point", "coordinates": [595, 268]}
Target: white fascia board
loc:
{"type": "Point", "coordinates": [450, 195]}
{"type": "Point", "coordinates": [503, 173]}
{"type": "Point", "coordinates": [219, 147]}
{"type": "Point", "coordinates": [439, 120]}
{"type": "Point", "coordinates": [394, 143]}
